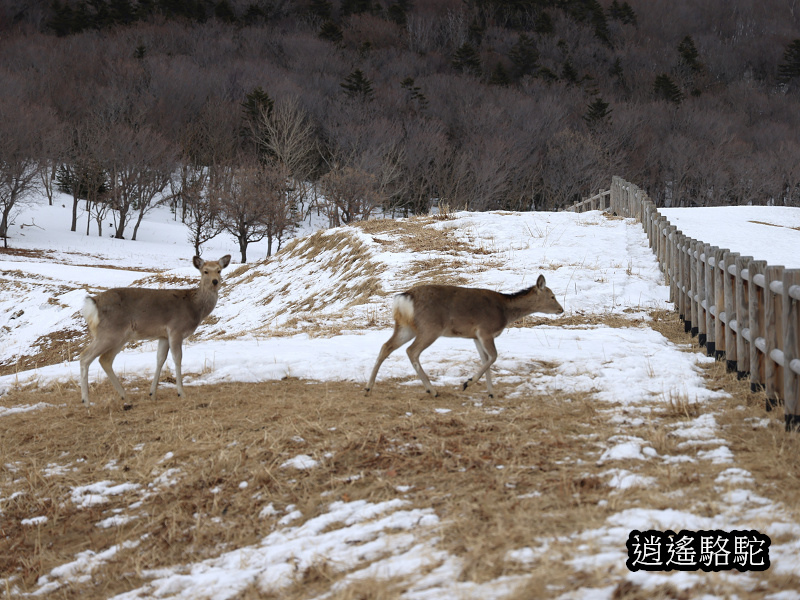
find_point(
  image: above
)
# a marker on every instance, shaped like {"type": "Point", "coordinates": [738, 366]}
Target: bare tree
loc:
{"type": "Point", "coordinates": [200, 207]}
{"type": "Point", "coordinates": [286, 136]}
{"type": "Point", "coordinates": [23, 143]}
{"type": "Point", "coordinates": [351, 194]}
{"type": "Point", "coordinates": [139, 163]}
{"type": "Point", "coordinates": [253, 204]}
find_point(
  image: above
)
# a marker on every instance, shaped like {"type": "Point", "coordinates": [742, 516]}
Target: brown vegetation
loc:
{"type": "Point", "coordinates": [501, 475]}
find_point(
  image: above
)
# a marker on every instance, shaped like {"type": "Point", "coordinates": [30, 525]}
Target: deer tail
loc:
{"type": "Point", "coordinates": [89, 312]}
{"type": "Point", "coordinates": [404, 309]}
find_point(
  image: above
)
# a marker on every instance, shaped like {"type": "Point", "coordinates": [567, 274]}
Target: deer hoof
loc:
{"type": "Point", "coordinates": [466, 383]}
{"type": "Point", "coordinates": [491, 395]}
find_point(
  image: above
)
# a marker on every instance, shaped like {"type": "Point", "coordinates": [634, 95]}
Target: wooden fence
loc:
{"type": "Point", "coordinates": [600, 201]}
{"type": "Point", "coordinates": [742, 310]}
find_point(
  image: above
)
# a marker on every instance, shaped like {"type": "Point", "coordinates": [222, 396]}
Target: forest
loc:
{"type": "Point", "coordinates": [246, 114]}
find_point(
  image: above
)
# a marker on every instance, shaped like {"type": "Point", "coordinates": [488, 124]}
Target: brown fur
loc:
{"type": "Point", "coordinates": [121, 315]}
{"type": "Point", "coordinates": [428, 312]}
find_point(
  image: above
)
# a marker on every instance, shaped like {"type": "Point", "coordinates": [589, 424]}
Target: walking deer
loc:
{"type": "Point", "coordinates": [427, 312]}
{"type": "Point", "coordinates": [120, 315]}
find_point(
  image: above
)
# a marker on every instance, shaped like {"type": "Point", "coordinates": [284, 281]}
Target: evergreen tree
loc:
{"type": "Point", "coordinates": [254, 14]}
{"type": "Point", "coordinates": [597, 113]}
{"type": "Point", "coordinates": [355, 7]}
{"type": "Point", "coordinates": [101, 16]}
{"type": "Point", "coordinates": [122, 12]}
{"type": "Point", "coordinates": [144, 8]}
{"type": "Point", "coordinates": [523, 56]}
{"type": "Point", "coordinates": [398, 12]}
{"type": "Point", "coordinates": [598, 20]}
{"type": "Point", "coordinates": [321, 8]}
{"type": "Point", "coordinates": [568, 72]}
{"type": "Point", "coordinates": [789, 69]}
{"type": "Point", "coordinates": [257, 105]}
{"type": "Point", "coordinates": [62, 20]}
{"type": "Point", "coordinates": [475, 31]}
{"type": "Point", "coordinates": [415, 93]}
{"type": "Point", "coordinates": [358, 86]}
{"type": "Point", "coordinates": [466, 60]}
{"type": "Point", "coordinates": [544, 23]}
{"type": "Point", "coordinates": [665, 89]}
{"type": "Point", "coordinates": [499, 75]}
{"type": "Point", "coordinates": [622, 13]}
{"type": "Point", "coordinates": [689, 55]}
{"type": "Point", "coordinates": [224, 11]}
{"type": "Point", "coordinates": [331, 32]}
{"type": "Point", "coordinates": [618, 74]}
{"type": "Point", "coordinates": [140, 51]}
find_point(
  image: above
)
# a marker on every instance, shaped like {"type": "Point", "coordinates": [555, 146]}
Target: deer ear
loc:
{"type": "Point", "coordinates": [540, 282]}
{"type": "Point", "coordinates": [225, 261]}
{"type": "Point", "coordinates": [197, 262]}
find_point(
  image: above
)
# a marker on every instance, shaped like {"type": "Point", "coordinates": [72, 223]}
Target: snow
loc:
{"type": "Point", "coordinates": [595, 265]}
{"type": "Point", "coordinates": [770, 233]}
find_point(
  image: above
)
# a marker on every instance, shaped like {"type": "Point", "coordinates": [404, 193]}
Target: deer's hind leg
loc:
{"type": "Point", "coordinates": [414, 350]}
{"type": "Point", "coordinates": [161, 357]}
{"type": "Point", "coordinates": [488, 353]}
{"type": "Point", "coordinates": [106, 351]}
{"type": "Point", "coordinates": [106, 360]}
{"type": "Point", "coordinates": [401, 335]}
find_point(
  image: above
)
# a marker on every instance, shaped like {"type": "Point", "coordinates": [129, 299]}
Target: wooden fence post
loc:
{"type": "Point", "coordinates": [755, 304]}
{"type": "Point", "coordinates": [661, 226]}
{"type": "Point", "coordinates": [742, 317]}
{"type": "Point", "coordinates": [719, 303]}
{"type": "Point", "coordinates": [791, 348]}
{"type": "Point", "coordinates": [731, 329]}
{"type": "Point", "coordinates": [680, 267]}
{"type": "Point", "coordinates": [711, 332]}
{"type": "Point", "coordinates": [694, 312]}
{"type": "Point", "coordinates": [672, 263]}
{"type": "Point", "coordinates": [616, 193]}
{"type": "Point", "coordinates": [701, 293]}
{"type": "Point", "coordinates": [686, 282]}
{"type": "Point", "coordinates": [773, 316]}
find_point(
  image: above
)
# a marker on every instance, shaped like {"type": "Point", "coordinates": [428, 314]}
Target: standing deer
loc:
{"type": "Point", "coordinates": [427, 312]}
{"type": "Point", "coordinates": [120, 315]}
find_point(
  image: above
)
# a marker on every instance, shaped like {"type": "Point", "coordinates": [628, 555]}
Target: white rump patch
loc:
{"type": "Point", "coordinates": [89, 312]}
{"type": "Point", "coordinates": [403, 308]}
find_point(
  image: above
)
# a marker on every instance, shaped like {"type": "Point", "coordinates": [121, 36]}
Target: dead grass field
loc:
{"type": "Point", "coordinates": [500, 474]}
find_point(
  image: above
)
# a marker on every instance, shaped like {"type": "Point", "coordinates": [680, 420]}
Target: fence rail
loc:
{"type": "Point", "coordinates": [741, 309]}
{"type": "Point", "coordinates": [600, 201]}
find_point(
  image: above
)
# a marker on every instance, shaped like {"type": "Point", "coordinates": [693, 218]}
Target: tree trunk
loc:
{"type": "Point", "coordinates": [74, 225]}
{"type": "Point", "coordinates": [4, 226]}
{"type": "Point", "coordinates": [123, 212]}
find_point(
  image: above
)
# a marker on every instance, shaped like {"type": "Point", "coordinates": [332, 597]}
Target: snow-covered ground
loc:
{"type": "Point", "coordinates": [595, 265]}
{"type": "Point", "coordinates": [770, 233]}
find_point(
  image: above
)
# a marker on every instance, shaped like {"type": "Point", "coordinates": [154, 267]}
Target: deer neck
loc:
{"type": "Point", "coordinates": [204, 299]}
{"type": "Point", "coordinates": [520, 306]}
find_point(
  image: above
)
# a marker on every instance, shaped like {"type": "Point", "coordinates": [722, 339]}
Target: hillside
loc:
{"type": "Point", "coordinates": [277, 477]}
{"type": "Point", "coordinates": [480, 105]}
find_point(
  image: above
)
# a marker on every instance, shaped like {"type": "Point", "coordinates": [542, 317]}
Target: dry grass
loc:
{"type": "Point", "coordinates": [470, 465]}
{"type": "Point", "coordinates": [500, 475]}
{"type": "Point", "coordinates": [774, 225]}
